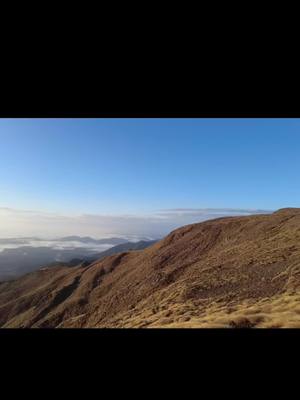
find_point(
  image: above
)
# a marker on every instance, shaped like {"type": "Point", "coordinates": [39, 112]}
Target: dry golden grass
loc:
{"type": "Point", "coordinates": [282, 311]}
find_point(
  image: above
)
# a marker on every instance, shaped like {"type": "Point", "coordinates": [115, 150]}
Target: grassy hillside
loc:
{"type": "Point", "coordinates": [228, 272]}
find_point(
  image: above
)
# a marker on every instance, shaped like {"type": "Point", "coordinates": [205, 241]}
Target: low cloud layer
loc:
{"type": "Point", "coordinates": [22, 223]}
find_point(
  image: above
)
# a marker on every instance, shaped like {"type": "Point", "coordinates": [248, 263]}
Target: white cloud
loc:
{"type": "Point", "coordinates": [20, 223]}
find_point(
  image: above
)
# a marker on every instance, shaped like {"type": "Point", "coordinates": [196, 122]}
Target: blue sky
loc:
{"type": "Point", "coordinates": [140, 166]}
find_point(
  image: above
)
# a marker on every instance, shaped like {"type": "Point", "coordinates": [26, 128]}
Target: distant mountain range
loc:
{"type": "Point", "coordinates": [128, 246]}
{"type": "Point", "coordinates": [15, 262]}
{"type": "Point", "coordinates": [80, 239]}
{"type": "Point", "coordinates": [124, 247]}
{"type": "Point", "coordinates": [87, 239]}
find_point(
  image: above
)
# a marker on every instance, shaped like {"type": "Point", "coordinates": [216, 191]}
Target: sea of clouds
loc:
{"type": "Point", "coordinates": [55, 244]}
{"type": "Point", "coordinates": [37, 229]}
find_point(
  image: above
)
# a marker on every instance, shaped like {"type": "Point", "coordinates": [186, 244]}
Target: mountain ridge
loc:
{"type": "Point", "coordinates": [229, 272]}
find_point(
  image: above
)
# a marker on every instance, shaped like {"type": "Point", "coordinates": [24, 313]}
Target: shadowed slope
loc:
{"type": "Point", "coordinates": [228, 272]}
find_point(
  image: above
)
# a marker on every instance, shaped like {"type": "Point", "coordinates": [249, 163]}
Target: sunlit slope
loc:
{"type": "Point", "coordinates": [228, 272]}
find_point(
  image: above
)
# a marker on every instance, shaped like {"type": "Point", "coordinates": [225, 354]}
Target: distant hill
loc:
{"type": "Point", "coordinates": [234, 272]}
{"type": "Point", "coordinates": [21, 260]}
{"type": "Point", "coordinates": [87, 239]}
{"type": "Point", "coordinates": [141, 245]}
{"type": "Point", "coordinates": [128, 246]}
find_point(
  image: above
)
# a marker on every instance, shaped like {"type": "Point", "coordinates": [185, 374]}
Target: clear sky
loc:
{"type": "Point", "coordinates": [139, 166]}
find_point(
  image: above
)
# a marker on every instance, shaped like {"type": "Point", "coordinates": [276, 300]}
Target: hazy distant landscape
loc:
{"type": "Point", "coordinates": [19, 256]}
